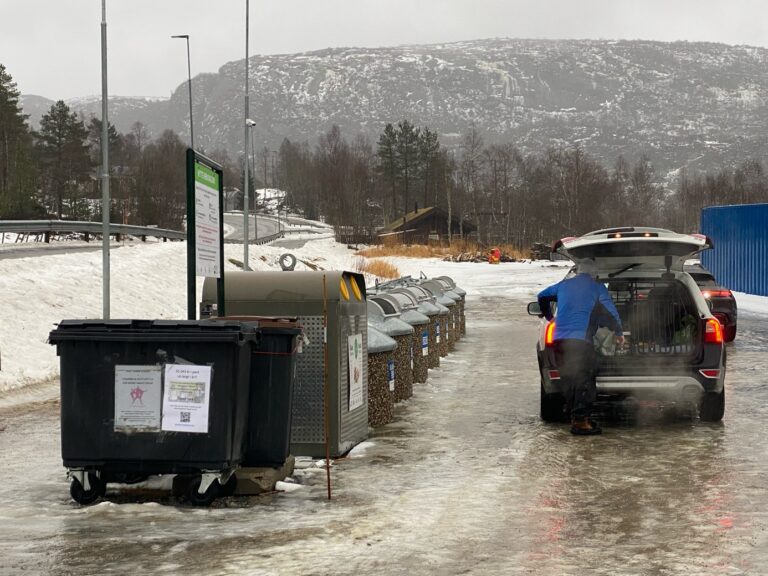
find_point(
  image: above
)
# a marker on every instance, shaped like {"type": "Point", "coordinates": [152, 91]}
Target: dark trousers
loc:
{"type": "Point", "coordinates": [577, 363]}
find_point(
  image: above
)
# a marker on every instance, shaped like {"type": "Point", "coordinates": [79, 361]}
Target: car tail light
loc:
{"type": "Point", "coordinates": [713, 332]}
{"type": "Point", "coordinates": [713, 373]}
{"type": "Point", "coordinates": [554, 374]}
{"type": "Point", "coordinates": [717, 294]}
{"type": "Point", "coordinates": [549, 334]}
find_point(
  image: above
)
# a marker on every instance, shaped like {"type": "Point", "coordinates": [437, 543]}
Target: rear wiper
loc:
{"type": "Point", "coordinates": [627, 267]}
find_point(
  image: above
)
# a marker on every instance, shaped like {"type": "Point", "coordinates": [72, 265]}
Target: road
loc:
{"type": "Point", "coordinates": [266, 226]}
{"type": "Point", "coordinates": [467, 480]}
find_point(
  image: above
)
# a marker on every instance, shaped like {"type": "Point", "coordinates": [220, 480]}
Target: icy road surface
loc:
{"type": "Point", "coordinates": [466, 481]}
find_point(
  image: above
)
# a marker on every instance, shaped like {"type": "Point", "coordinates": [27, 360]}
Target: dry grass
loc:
{"type": "Point", "coordinates": [379, 268]}
{"type": "Point", "coordinates": [424, 251]}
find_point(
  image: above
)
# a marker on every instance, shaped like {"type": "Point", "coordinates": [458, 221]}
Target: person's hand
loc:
{"type": "Point", "coordinates": [620, 340]}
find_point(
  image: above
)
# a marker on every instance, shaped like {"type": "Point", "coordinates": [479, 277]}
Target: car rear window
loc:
{"type": "Point", "coordinates": [703, 279]}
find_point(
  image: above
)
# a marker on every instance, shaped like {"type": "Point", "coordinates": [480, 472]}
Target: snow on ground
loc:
{"type": "Point", "coordinates": [148, 280]}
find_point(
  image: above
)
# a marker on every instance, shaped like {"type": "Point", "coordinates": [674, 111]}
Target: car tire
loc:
{"type": "Point", "coordinates": [730, 333]}
{"type": "Point", "coordinates": [551, 406]}
{"type": "Point", "coordinates": [712, 406]}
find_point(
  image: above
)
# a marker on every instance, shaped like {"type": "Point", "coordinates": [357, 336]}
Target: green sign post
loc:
{"type": "Point", "coordinates": [205, 227]}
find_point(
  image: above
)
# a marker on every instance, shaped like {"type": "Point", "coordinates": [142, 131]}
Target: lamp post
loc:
{"type": "Point", "coordinates": [189, 84]}
{"type": "Point", "coordinates": [248, 124]}
{"type": "Point", "coordinates": [105, 204]}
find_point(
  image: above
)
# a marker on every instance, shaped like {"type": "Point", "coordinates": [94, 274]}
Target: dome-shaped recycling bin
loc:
{"type": "Point", "coordinates": [451, 300]}
{"type": "Point", "coordinates": [403, 334]}
{"type": "Point", "coordinates": [405, 309]}
{"type": "Point", "coordinates": [424, 304]}
{"type": "Point", "coordinates": [442, 319]}
{"type": "Point", "coordinates": [449, 283]}
{"type": "Point", "coordinates": [381, 377]}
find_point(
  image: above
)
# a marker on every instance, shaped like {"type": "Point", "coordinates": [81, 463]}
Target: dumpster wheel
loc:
{"type": "Point", "coordinates": [205, 498]}
{"type": "Point", "coordinates": [96, 488]}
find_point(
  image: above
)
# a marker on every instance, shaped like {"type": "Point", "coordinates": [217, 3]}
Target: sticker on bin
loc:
{"type": "Point", "coordinates": [437, 332]}
{"type": "Point", "coordinates": [391, 374]}
{"type": "Point", "coordinates": [424, 343]}
{"type": "Point", "coordinates": [411, 357]}
{"type": "Point", "coordinates": [138, 396]}
{"type": "Point", "coordinates": [355, 366]}
{"type": "Point", "coordinates": [186, 398]}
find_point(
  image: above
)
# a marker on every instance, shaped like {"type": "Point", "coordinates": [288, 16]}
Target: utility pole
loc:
{"type": "Point", "coordinates": [246, 128]}
{"type": "Point", "coordinates": [189, 85]}
{"type": "Point", "coordinates": [105, 211]}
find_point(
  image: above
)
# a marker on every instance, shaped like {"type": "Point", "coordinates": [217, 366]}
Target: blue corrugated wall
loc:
{"type": "Point", "coordinates": [739, 260]}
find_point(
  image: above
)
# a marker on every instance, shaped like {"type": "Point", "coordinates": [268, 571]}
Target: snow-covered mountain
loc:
{"type": "Point", "coordinates": [683, 104]}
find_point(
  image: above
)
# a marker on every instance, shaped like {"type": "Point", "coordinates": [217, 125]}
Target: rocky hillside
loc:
{"type": "Point", "coordinates": [683, 104]}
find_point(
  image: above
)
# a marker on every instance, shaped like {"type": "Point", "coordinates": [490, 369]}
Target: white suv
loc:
{"type": "Point", "coordinates": [673, 348]}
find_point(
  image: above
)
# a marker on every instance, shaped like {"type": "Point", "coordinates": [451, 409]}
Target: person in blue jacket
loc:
{"type": "Point", "coordinates": [583, 305]}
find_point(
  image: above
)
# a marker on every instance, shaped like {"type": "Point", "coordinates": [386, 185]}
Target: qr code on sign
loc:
{"type": "Point", "coordinates": [184, 417]}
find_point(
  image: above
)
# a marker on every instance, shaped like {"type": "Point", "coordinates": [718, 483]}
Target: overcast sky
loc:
{"type": "Point", "coordinates": [52, 47]}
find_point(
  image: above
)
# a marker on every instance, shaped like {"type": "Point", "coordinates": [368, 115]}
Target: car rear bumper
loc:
{"type": "Point", "coordinates": [673, 388]}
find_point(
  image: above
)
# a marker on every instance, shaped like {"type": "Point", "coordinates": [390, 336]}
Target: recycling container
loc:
{"type": "Point", "coordinates": [272, 378]}
{"type": "Point", "coordinates": [427, 306]}
{"type": "Point", "coordinates": [381, 377]}
{"type": "Point", "coordinates": [404, 309]}
{"type": "Point", "coordinates": [402, 333]}
{"type": "Point", "coordinates": [450, 300]}
{"type": "Point", "coordinates": [448, 282]}
{"type": "Point", "coordinates": [143, 397]}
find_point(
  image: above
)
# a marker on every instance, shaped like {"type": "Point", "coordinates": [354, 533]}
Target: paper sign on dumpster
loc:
{"type": "Point", "coordinates": [137, 398]}
{"type": "Point", "coordinates": [186, 398]}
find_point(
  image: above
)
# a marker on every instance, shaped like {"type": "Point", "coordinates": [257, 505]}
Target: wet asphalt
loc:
{"type": "Point", "coordinates": [467, 480]}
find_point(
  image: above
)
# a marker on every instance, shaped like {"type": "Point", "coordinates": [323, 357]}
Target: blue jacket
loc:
{"type": "Point", "coordinates": [583, 305]}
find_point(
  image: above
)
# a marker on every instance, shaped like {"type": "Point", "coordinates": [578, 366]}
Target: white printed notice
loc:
{"type": "Point", "coordinates": [207, 223]}
{"type": "Point", "coordinates": [355, 356]}
{"type": "Point", "coordinates": [138, 395]}
{"type": "Point", "coordinates": [186, 398]}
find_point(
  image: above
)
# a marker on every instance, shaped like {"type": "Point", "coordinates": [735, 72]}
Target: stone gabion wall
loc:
{"type": "Point", "coordinates": [443, 344]}
{"type": "Point", "coordinates": [462, 302]}
{"type": "Point", "coordinates": [381, 401]}
{"type": "Point", "coordinates": [420, 362]}
{"type": "Point", "coordinates": [403, 371]}
{"type": "Point", "coordinates": [433, 358]}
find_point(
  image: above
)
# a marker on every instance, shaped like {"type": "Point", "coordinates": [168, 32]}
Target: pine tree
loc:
{"type": "Point", "coordinates": [64, 156]}
{"type": "Point", "coordinates": [406, 153]}
{"type": "Point", "coordinates": [429, 147]}
{"type": "Point", "coordinates": [17, 169]}
{"type": "Point", "coordinates": [388, 164]}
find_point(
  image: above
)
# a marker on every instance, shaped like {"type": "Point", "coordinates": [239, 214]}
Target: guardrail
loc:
{"type": "Point", "coordinates": [50, 227]}
{"type": "Point", "coordinates": [261, 240]}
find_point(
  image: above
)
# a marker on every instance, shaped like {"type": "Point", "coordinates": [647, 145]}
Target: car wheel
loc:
{"type": "Point", "coordinates": [730, 333]}
{"type": "Point", "coordinates": [551, 406]}
{"type": "Point", "coordinates": [712, 407]}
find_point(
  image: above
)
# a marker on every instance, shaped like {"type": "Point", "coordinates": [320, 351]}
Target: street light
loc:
{"type": "Point", "coordinates": [189, 83]}
{"type": "Point", "coordinates": [248, 124]}
{"type": "Point", "coordinates": [105, 202]}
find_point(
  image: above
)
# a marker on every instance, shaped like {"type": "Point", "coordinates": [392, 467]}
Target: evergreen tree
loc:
{"type": "Point", "coordinates": [429, 147]}
{"type": "Point", "coordinates": [407, 156]}
{"type": "Point", "coordinates": [17, 170]}
{"type": "Point", "coordinates": [66, 165]}
{"type": "Point", "coordinates": [388, 164]}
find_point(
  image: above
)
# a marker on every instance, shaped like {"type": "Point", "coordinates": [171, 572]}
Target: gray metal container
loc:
{"type": "Point", "coordinates": [449, 299]}
{"type": "Point", "coordinates": [300, 295]}
{"type": "Point", "coordinates": [382, 373]}
{"type": "Point", "coordinates": [392, 305]}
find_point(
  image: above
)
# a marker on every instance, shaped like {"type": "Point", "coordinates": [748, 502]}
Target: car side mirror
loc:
{"type": "Point", "coordinates": [534, 309]}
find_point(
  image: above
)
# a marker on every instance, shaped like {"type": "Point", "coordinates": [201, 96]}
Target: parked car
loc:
{"type": "Point", "coordinates": [674, 345]}
{"type": "Point", "coordinates": [723, 302]}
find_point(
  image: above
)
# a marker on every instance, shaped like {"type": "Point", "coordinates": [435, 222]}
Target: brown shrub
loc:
{"type": "Point", "coordinates": [379, 268]}
{"type": "Point", "coordinates": [424, 251]}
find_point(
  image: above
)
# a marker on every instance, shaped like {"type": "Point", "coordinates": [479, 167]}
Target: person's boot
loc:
{"type": "Point", "coordinates": [584, 427]}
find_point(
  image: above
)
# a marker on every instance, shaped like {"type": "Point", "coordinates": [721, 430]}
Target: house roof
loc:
{"type": "Point", "coordinates": [412, 218]}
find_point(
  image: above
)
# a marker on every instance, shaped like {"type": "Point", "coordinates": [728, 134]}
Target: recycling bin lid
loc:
{"type": "Point", "coordinates": [379, 342]}
{"type": "Point", "coordinates": [414, 318]}
{"type": "Point", "coordinates": [451, 284]}
{"type": "Point", "coordinates": [442, 309]}
{"type": "Point", "coordinates": [429, 309]}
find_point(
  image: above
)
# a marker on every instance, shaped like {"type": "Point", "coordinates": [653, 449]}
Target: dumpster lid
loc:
{"type": "Point", "coordinates": [265, 323]}
{"type": "Point", "coordinates": [164, 330]}
{"type": "Point", "coordinates": [379, 342]}
{"type": "Point", "coordinates": [429, 309]}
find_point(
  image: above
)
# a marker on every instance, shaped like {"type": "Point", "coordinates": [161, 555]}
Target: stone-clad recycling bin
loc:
{"type": "Point", "coordinates": [425, 306]}
{"type": "Point", "coordinates": [404, 308]}
{"type": "Point", "coordinates": [381, 377]}
{"type": "Point", "coordinates": [402, 333]}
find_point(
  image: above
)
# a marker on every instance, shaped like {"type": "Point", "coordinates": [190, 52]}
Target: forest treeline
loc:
{"type": "Point", "coordinates": [354, 184]}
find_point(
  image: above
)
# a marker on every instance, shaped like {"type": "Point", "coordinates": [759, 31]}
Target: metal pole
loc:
{"type": "Point", "coordinates": [189, 84]}
{"type": "Point", "coordinates": [105, 208]}
{"type": "Point", "coordinates": [246, 128]}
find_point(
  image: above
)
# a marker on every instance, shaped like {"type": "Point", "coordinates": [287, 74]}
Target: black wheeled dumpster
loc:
{"type": "Point", "coordinates": [273, 374]}
{"type": "Point", "coordinates": [144, 397]}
